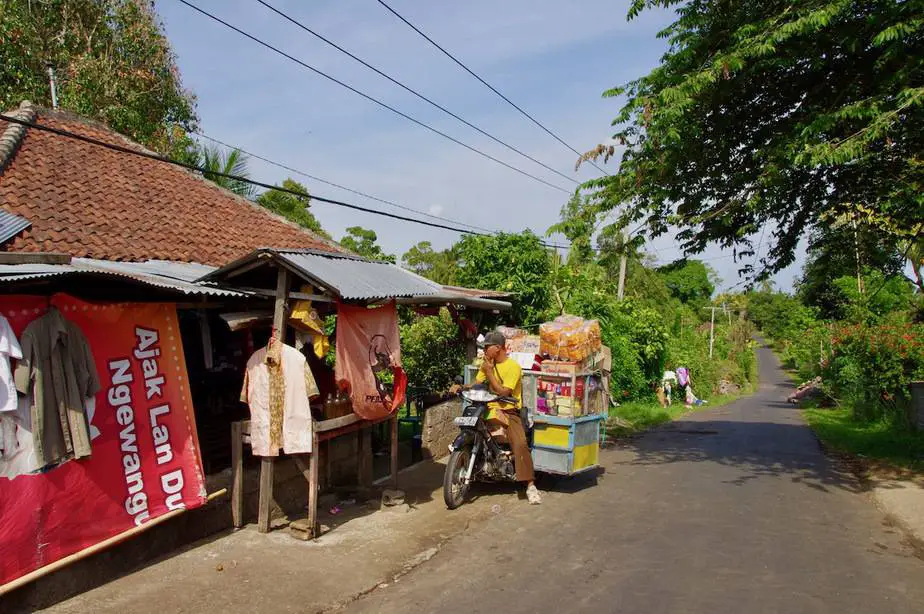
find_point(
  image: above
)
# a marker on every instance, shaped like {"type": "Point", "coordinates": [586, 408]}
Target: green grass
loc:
{"type": "Point", "coordinates": [642, 415]}
{"type": "Point", "coordinates": [873, 440]}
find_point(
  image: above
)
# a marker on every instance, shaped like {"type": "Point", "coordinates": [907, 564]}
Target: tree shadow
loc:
{"type": "Point", "coordinates": [759, 449]}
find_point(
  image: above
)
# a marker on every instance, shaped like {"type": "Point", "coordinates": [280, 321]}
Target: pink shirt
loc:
{"type": "Point", "coordinates": [299, 387]}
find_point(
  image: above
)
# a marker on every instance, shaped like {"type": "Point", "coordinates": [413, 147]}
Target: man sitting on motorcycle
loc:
{"type": "Point", "coordinates": [504, 377]}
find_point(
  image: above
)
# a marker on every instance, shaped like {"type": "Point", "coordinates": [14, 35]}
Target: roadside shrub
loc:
{"type": "Point", "coordinates": [870, 368]}
{"type": "Point", "coordinates": [432, 352]}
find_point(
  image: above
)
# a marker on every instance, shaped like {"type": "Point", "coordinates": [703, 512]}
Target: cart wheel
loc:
{"type": "Point", "coordinates": [454, 488]}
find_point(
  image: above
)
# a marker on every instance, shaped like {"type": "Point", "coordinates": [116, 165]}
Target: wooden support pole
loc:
{"type": "Point", "coordinates": [267, 463]}
{"type": "Point", "coordinates": [313, 486]}
{"type": "Point", "coordinates": [364, 466]}
{"type": "Point", "coordinates": [394, 451]}
{"type": "Point", "coordinates": [237, 475]}
{"type": "Point", "coordinates": [267, 466]}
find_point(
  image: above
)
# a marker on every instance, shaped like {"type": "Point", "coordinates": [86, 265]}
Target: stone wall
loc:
{"type": "Point", "coordinates": [438, 428]}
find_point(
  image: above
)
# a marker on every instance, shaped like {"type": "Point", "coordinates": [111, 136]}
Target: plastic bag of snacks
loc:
{"type": "Point", "coordinates": [569, 338]}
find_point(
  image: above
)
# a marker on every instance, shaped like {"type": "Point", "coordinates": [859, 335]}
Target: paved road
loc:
{"type": "Point", "coordinates": [733, 510]}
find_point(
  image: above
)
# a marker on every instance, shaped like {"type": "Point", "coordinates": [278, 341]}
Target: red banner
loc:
{"type": "Point", "coordinates": [145, 458]}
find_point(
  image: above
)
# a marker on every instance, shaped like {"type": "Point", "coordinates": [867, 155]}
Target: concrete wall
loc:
{"type": "Point", "coordinates": [438, 428]}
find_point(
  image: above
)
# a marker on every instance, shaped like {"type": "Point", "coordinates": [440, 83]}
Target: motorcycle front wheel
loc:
{"type": "Point", "coordinates": [455, 488]}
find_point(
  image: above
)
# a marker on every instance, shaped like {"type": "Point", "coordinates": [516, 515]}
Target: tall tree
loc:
{"type": "Point", "coordinates": [690, 281]}
{"type": "Point", "coordinates": [363, 242]}
{"type": "Point", "coordinates": [112, 63]}
{"type": "Point", "coordinates": [844, 250]}
{"type": "Point", "coordinates": [507, 262]}
{"type": "Point", "coordinates": [772, 113]}
{"type": "Point", "coordinates": [577, 223]}
{"type": "Point", "coordinates": [293, 208]}
{"type": "Point", "coordinates": [438, 266]}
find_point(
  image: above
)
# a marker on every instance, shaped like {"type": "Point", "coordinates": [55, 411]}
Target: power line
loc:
{"type": "Point", "coordinates": [371, 98]}
{"type": "Point", "coordinates": [339, 186]}
{"type": "Point", "coordinates": [199, 169]}
{"type": "Point", "coordinates": [488, 85]}
{"type": "Point", "coordinates": [413, 91]}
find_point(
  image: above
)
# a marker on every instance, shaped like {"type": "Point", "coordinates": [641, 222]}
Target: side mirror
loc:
{"type": "Point", "coordinates": [458, 380]}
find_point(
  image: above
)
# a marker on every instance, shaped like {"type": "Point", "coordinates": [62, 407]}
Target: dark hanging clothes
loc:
{"type": "Point", "coordinates": [58, 372]}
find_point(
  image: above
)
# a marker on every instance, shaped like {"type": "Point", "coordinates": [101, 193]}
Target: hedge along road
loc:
{"type": "Point", "coordinates": [733, 509]}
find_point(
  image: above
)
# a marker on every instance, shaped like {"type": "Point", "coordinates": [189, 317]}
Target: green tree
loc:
{"type": "Point", "coordinates": [362, 241]}
{"type": "Point", "coordinates": [432, 351]}
{"type": "Point", "coordinates": [293, 208]}
{"type": "Point", "coordinates": [112, 63]}
{"type": "Point", "coordinates": [690, 281]}
{"type": "Point", "coordinates": [841, 251]}
{"type": "Point", "coordinates": [577, 223]}
{"type": "Point", "coordinates": [508, 262]}
{"type": "Point", "coordinates": [216, 160]}
{"type": "Point", "coordinates": [772, 113]}
{"type": "Point", "coordinates": [438, 266]}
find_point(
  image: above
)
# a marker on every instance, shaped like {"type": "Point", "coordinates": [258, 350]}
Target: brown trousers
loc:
{"type": "Point", "coordinates": [522, 457]}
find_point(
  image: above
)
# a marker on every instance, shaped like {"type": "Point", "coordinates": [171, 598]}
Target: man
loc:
{"type": "Point", "coordinates": [504, 377]}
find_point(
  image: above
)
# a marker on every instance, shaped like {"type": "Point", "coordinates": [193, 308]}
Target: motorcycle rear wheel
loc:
{"type": "Point", "coordinates": [455, 489]}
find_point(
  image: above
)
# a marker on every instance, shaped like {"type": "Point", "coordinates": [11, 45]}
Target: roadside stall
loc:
{"type": "Point", "coordinates": [565, 391]}
{"type": "Point", "coordinates": [370, 384]}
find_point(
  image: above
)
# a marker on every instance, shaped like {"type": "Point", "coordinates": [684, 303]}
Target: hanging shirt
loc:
{"type": "Point", "coordinates": [58, 371]}
{"type": "Point", "coordinates": [9, 348]}
{"type": "Point", "coordinates": [278, 381]}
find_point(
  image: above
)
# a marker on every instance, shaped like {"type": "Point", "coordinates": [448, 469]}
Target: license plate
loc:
{"type": "Point", "coordinates": [466, 421]}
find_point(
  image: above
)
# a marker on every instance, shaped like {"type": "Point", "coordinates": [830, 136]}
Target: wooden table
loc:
{"type": "Point", "coordinates": [324, 430]}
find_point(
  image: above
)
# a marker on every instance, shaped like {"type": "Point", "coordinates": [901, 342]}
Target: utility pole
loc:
{"type": "Point", "coordinates": [622, 277]}
{"type": "Point", "coordinates": [53, 84]}
{"type": "Point", "coordinates": [711, 329]}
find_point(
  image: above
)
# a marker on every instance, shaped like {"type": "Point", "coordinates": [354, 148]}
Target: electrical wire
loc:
{"type": "Point", "coordinates": [413, 91]}
{"type": "Point", "coordinates": [339, 186]}
{"type": "Point", "coordinates": [488, 85]}
{"type": "Point", "coordinates": [371, 98]}
{"type": "Point", "coordinates": [193, 167]}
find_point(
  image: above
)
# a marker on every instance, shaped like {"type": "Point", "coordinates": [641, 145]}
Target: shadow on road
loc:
{"type": "Point", "coordinates": [759, 450]}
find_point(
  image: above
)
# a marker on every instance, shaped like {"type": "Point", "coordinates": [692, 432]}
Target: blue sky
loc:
{"type": "Point", "coordinates": [554, 59]}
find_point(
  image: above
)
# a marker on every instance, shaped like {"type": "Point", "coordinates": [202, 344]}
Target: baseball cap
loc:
{"type": "Point", "coordinates": [493, 338]}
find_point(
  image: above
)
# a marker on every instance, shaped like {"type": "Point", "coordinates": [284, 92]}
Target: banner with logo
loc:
{"type": "Point", "coordinates": [144, 453]}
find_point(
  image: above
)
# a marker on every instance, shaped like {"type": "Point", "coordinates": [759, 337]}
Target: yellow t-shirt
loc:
{"type": "Point", "coordinates": [510, 375]}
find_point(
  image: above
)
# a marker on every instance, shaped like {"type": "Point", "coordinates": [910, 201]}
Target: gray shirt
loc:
{"type": "Point", "coordinates": [58, 371]}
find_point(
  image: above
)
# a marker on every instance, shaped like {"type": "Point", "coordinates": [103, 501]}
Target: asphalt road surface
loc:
{"type": "Point", "coordinates": [732, 510]}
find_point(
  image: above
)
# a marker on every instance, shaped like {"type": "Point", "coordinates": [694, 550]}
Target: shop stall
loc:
{"type": "Point", "coordinates": [565, 391]}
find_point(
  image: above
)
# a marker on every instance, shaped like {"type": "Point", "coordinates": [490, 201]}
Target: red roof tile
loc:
{"type": "Point", "coordinates": [86, 200]}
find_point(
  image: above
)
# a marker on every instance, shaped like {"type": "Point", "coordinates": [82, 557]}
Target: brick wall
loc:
{"type": "Point", "coordinates": [438, 428]}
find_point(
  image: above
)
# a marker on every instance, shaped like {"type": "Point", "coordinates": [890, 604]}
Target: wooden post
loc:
{"type": "Point", "coordinates": [267, 463]}
{"type": "Point", "coordinates": [313, 485]}
{"type": "Point", "coordinates": [266, 493]}
{"type": "Point", "coordinates": [394, 451]}
{"type": "Point", "coordinates": [237, 475]}
{"type": "Point", "coordinates": [364, 466]}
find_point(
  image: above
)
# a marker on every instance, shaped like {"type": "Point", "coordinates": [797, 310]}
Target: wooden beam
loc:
{"type": "Point", "coordinates": [237, 475]}
{"type": "Point", "coordinates": [33, 258]}
{"type": "Point", "coordinates": [266, 493]}
{"type": "Point", "coordinates": [282, 295]}
{"type": "Point", "coordinates": [302, 296]}
{"type": "Point", "coordinates": [336, 423]}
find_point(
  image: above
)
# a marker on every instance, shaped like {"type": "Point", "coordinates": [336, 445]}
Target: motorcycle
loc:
{"type": "Point", "coordinates": [476, 455]}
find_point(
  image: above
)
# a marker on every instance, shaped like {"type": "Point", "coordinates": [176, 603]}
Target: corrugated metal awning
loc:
{"type": "Point", "coordinates": [175, 277]}
{"type": "Point", "coordinates": [344, 276]}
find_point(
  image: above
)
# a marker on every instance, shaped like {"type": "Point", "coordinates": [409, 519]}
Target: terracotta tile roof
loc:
{"type": "Point", "coordinates": [85, 200]}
